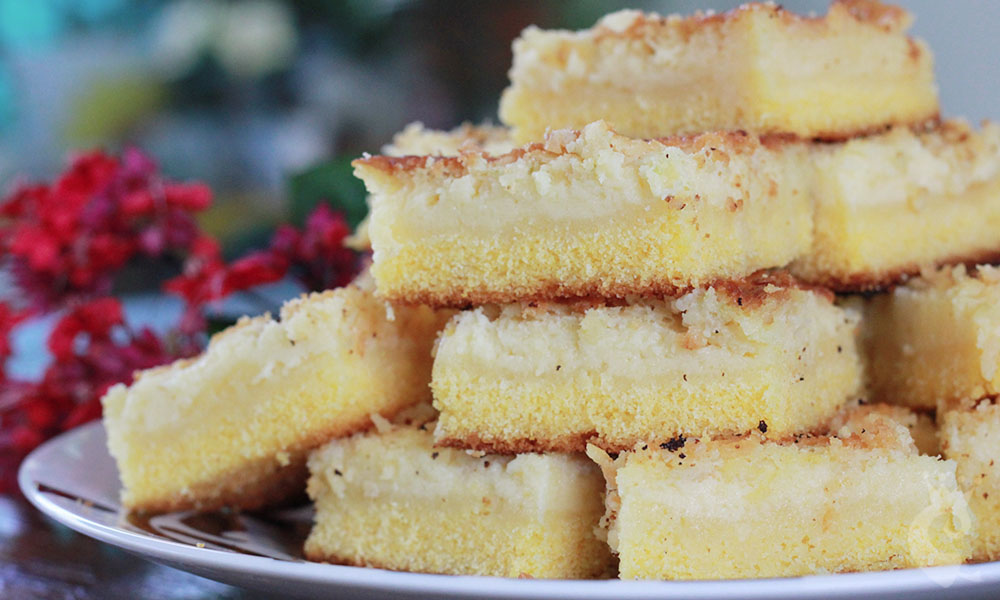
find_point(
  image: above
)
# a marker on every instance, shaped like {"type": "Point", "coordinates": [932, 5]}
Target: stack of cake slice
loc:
{"type": "Point", "coordinates": [617, 279]}
{"type": "Point", "coordinates": [641, 361]}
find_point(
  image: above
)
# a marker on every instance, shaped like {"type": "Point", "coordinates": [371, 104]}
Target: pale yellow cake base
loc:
{"type": "Point", "coordinates": [588, 213]}
{"type": "Point", "coordinates": [970, 436]}
{"type": "Point", "coordinates": [764, 356]}
{"type": "Point", "coordinates": [232, 427]}
{"type": "Point", "coordinates": [890, 204]}
{"type": "Point", "coordinates": [748, 508]}
{"type": "Point", "coordinates": [392, 500]}
{"type": "Point", "coordinates": [757, 68]}
{"type": "Point", "coordinates": [935, 339]}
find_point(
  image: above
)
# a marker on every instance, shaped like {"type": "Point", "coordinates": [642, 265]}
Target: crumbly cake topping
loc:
{"type": "Point", "coordinates": [716, 145]}
{"type": "Point", "coordinates": [636, 24]}
{"type": "Point", "coordinates": [748, 293]}
{"type": "Point", "coordinates": [867, 429]}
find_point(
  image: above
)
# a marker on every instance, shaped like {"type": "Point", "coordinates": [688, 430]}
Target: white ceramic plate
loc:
{"type": "Point", "coordinates": [73, 480]}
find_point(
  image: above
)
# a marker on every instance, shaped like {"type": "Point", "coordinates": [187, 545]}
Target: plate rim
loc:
{"type": "Point", "coordinates": [208, 560]}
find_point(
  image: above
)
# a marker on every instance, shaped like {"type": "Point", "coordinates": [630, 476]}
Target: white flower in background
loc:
{"type": "Point", "coordinates": [256, 37]}
{"type": "Point", "coordinates": [183, 32]}
{"type": "Point", "coordinates": [249, 39]}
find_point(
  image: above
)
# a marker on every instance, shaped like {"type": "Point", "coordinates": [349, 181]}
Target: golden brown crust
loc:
{"type": "Point", "coordinates": [259, 483]}
{"type": "Point", "coordinates": [552, 291]}
{"type": "Point", "coordinates": [335, 559]}
{"type": "Point", "coordinates": [886, 16]}
{"type": "Point", "coordinates": [877, 435]}
{"type": "Point", "coordinates": [870, 282]}
{"type": "Point", "coordinates": [962, 404]}
{"type": "Point", "coordinates": [921, 124]}
{"type": "Point", "coordinates": [578, 442]}
{"type": "Point", "coordinates": [757, 287]}
{"type": "Point", "coordinates": [747, 292]}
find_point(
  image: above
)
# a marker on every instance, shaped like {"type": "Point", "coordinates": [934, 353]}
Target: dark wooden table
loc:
{"type": "Point", "coordinates": [40, 559]}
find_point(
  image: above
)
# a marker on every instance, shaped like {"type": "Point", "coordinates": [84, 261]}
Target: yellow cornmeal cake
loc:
{"type": "Point", "coordinates": [886, 205]}
{"type": "Point", "coordinates": [417, 140]}
{"type": "Point", "coordinates": [970, 436]}
{"type": "Point", "coordinates": [936, 339]}
{"type": "Point", "coordinates": [759, 354]}
{"type": "Point", "coordinates": [586, 213]}
{"type": "Point", "coordinates": [392, 500]}
{"type": "Point", "coordinates": [863, 500]}
{"type": "Point", "coordinates": [232, 427]}
{"type": "Point", "coordinates": [757, 68]}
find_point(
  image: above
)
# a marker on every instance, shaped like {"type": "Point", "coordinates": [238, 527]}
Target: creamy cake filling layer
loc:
{"type": "Point", "coordinates": [708, 363]}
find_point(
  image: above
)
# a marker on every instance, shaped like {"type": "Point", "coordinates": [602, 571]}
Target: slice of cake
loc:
{"type": "Point", "coordinates": [760, 354]}
{"type": "Point", "coordinates": [936, 339]}
{"type": "Point", "coordinates": [757, 68]}
{"type": "Point", "coordinates": [392, 500]}
{"type": "Point", "coordinates": [970, 436]}
{"type": "Point", "coordinates": [232, 427]}
{"type": "Point", "coordinates": [744, 508]}
{"type": "Point", "coordinates": [887, 205]}
{"type": "Point", "coordinates": [585, 213]}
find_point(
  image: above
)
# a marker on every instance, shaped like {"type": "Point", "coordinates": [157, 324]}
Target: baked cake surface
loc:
{"type": "Point", "coordinates": [745, 508]}
{"type": "Point", "coordinates": [759, 354]}
{"type": "Point", "coordinates": [935, 339]}
{"type": "Point", "coordinates": [970, 436]}
{"type": "Point", "coordinates": [887, 205]}
{"type": "Point", "coordinates": [417, 140]}
{"type": "Point", "coordinates": [586, 213]}
{"type": "Point", "coordinates": [757, 68]}
{"type": "Point", "coordinates": [390, 499]}
{"type": "Point", "coordinates": [232, 426]}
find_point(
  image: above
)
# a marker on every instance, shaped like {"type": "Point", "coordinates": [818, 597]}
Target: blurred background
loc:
{"type": "Point", "coordinates": [268, 100]}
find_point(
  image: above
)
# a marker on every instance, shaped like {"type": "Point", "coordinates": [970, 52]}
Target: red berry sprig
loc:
{"type": "Point", "coordinates": [65, 242]}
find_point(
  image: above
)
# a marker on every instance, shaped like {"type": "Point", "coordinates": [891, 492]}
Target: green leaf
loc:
{"type": "Point", "coordinates": [332, 182]}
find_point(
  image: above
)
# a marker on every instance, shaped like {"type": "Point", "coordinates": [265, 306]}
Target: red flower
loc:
{"type": "Point", "coordinates": [67, 240]}
{"type": "Point", "coordinates": [93, 349]}
{"type": "Point", "coordinates": [9, 318]}
{"type": "Point", "coordinates": [189, 197]}
{"type": "Point", "coordinates": [319, 258]}
{"type": "Point", "coordinates": [96, 318]}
